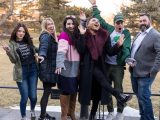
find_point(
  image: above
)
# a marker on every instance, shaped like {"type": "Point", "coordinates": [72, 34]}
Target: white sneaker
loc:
{"type": "Point", "coordinates": [33, 115]}
{"type": "Point", "coordinates": [25, 118]}
{"type": "Point", "coordinates": [110, 116]}
{"type": "Point", "coordinates": [119, 116]}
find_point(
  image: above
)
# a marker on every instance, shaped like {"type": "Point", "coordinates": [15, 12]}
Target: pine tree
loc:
{"type": "Point", "coordinates": [131, 13]}
{"type": "Point", "coordinates": [58, 9]}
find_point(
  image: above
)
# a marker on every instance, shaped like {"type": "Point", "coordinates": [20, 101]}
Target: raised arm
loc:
{"type": "Point", "coordinates": [81, 42]}
{"type": "Point", "coordinates": [96, 14]}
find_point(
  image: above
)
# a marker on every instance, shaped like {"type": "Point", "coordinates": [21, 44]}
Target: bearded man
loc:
{"type": "Point", "coordinates": [145, 52]}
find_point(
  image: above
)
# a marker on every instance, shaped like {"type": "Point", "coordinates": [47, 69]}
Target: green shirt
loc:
{"type": "Point", "coordinates": [125, 52]}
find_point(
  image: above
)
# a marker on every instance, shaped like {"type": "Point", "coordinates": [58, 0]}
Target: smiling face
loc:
{"type": "Point", "coordinates": [50, 26]}
{"type": "Point", "coordinates": [20, 34]}
{"type": "Point", "coordinates": [70, 25]}
{"type": "Point", "coordinates": [93, 24]}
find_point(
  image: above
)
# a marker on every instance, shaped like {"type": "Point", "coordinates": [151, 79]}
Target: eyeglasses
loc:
{"type": "Point", "coordinates": [70, 16]}
{"type": "Point", "coordinates": [119, 22]}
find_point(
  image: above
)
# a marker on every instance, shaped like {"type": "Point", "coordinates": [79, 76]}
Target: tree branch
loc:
{"type": "Point", "coordinates": [9, 13]}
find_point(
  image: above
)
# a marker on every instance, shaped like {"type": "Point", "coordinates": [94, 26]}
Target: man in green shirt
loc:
{"type": "Point", "coordinates": [115, 64]}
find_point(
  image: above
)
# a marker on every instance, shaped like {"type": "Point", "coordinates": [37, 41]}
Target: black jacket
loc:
{"type": "Point", "coordinates": [47, 49]}
{"type": "Point", "coordinates": [87, 89]}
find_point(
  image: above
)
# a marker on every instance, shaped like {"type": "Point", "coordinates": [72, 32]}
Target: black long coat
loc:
{"type": "Point", "coordinates": [47, 49]}
{"type": "Point", "coordinates": [88, 90]}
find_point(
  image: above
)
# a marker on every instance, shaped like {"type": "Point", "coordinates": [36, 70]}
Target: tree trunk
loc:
{"type": "Point", "coordinates": [9, 13]}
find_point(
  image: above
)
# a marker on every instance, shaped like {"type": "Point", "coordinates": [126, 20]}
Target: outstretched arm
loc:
{"type": "Point", "coordinates": [96, 14]}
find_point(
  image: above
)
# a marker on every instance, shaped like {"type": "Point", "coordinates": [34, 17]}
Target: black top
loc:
{"type": "Point", "coordinates": [25, 53]}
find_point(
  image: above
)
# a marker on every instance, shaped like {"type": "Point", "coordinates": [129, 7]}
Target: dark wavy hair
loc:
{"type": "Point", "coordinates": [27, 39]}
{"type": "Point", "coordinates": [75, 34]}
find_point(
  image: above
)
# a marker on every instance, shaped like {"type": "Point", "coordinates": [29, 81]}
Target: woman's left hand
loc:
{"type": "Point", "coordinates": [58, 71]}
{"type": "Point", "coordinates": [40, 59]}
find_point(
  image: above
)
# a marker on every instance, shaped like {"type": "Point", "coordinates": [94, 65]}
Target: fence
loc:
{"type": "Point", "coordinates": [56, 93]}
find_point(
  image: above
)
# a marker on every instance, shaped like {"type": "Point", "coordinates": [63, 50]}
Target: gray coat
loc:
{"type": "Point", "coordinates": [148, 56]}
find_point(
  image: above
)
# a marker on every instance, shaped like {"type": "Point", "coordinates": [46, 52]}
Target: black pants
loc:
{"type": "Point", "coordinates": [44, 100]}
{"type": "Point", "coordinates": [99, 76]}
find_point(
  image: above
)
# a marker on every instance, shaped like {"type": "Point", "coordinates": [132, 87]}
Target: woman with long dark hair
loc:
{"type": "Point", "coordinates": [21, 53]}
{"type": "Point", "coordinates": [67, 65]}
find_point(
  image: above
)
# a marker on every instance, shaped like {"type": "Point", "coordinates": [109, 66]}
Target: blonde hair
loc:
{"type": "Point", "coordinates": [44, 23]}
{"type": "Point", "coordinates": [44, 26]}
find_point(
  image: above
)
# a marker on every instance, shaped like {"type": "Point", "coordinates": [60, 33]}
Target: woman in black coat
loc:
{"type": "Point", "coordinates": [93, 46]}
{"type": "Point", "coordinates": [47, 65]}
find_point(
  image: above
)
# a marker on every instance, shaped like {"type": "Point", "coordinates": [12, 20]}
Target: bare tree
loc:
{"type": "Point", "coordinates": [8, 13]}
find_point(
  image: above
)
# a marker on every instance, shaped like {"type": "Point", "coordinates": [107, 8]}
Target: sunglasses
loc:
{"type": "Point", "coordinates": [119, 22]}
{"type": "Point", "coordinates": [70, 16]}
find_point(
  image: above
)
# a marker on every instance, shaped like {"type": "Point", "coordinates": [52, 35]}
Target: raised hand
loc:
{"type": "Point", "coordinates": [6, 48]}
{"type": "Point", "coordinates": [93, 2]}
{"type": "Point", "coordinates": [82, 29]}
{"type": "Point", "coordinates": [82, 15]}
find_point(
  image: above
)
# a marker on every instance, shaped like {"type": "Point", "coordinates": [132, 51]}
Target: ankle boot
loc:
{"type": "Point", "coordinates": [84, 112]}
{"type": "Point", "coordinates": [123, 98]}
{"type": "Point", "coordinates": [64, 101]}
{"type": "Point", "coordinates": [72, 105]}
{"type": "Point", "coordinates": [92, 117]}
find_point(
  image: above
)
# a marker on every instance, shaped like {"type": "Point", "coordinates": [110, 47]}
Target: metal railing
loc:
{"type": "Point", "coordinates": [56, 93]}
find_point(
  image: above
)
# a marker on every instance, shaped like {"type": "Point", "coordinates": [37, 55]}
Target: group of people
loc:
{"type": "Point", "coordinates": [83, 61]}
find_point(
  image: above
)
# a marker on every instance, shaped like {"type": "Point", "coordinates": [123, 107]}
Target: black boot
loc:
{"type": "Point", "coordinates": [123, 98]}
{"type": "Point", "coordinates": [46, 117]}
{"type": "Point", "coordinates": [92, 117]}
{"type": "Point", "coordinates": [84, 112]}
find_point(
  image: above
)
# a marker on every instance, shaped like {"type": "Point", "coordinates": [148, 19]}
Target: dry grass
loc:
{"type": "Point", "coordinates": [10, 97]}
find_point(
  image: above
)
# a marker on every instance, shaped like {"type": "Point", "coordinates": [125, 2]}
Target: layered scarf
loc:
{"type": "Point", "coordinates": [95, 43]}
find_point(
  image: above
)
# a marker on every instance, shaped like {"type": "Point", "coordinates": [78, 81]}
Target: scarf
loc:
{"type": "Point", "coordinates": [95, 43]}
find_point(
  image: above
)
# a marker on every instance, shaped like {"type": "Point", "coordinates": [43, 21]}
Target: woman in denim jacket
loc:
{"type": "Point", "coordinates": [47, 63]}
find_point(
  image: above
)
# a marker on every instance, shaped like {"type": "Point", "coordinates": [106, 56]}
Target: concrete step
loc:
{"type": "Point", "coordinates": [14, 114]}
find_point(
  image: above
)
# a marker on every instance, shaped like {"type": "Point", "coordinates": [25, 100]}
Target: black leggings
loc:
{"type": "Point", "coordinates": [44, 100]}
{"type": "Point", "coordinates": [99, 76]}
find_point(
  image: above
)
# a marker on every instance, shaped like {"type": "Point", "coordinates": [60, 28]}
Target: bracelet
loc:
{"type": "Point", "coordinates": [84, 20]}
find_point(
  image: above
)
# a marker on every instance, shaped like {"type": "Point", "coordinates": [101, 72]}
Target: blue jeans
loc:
{"type": "Point", "coordinates": [142, 88]}
{"type": "Point", "coordinates": [28, 87]}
